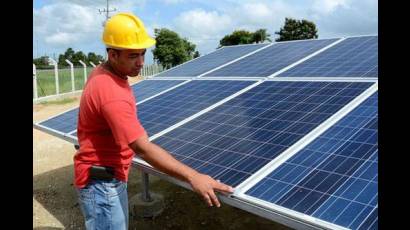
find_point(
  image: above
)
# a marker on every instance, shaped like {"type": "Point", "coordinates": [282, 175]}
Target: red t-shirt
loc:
{"type": "Point", "coordinates": [107, 123]}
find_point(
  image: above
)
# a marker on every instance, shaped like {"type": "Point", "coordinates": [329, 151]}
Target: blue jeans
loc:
{"type": "Point", "coordinates": [104, 205]}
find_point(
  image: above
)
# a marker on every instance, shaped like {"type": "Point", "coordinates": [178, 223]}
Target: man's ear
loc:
{"type": "Point", "coordinates": [113, 54]}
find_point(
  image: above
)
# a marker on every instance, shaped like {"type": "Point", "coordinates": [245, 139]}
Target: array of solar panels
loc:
{"type": "Point", "coordinates": [234, 128]}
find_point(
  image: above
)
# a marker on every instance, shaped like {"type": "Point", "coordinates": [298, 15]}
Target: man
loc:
{"type": "Point", "coordinates": [109, 133]}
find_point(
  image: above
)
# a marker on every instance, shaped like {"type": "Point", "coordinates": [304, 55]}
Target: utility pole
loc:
{"type": "Point", "coordinates": [106, 11]}
{"type": "Point", "coordinates": [107, 16]}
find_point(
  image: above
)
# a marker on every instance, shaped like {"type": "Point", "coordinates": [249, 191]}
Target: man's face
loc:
{"type": "Point", "coordinates": [129, 62]}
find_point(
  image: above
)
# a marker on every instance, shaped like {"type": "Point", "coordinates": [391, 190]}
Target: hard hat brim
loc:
{"type": "Point", "coordinates": [146, 44]}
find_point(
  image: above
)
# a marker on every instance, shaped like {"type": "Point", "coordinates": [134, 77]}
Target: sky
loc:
{"type": "Point", "coordinates": [60, 24]}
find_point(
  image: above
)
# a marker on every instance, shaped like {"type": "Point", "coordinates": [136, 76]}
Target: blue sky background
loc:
{"type": "Point", "coordinates": [60, 24]}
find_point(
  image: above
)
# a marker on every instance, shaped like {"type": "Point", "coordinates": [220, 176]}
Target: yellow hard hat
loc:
{"type": "Point", "coordinates": [126, 31]}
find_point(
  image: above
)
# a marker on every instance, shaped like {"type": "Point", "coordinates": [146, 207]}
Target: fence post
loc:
{"type": "Point", "coordinates": [92, 63]}
{"type": "Point", "coordinates": [55, 64]}
{"type": "Point", "coordinates": [35, 82]}
{"type": "Point", "coordinates": [72, 74]}
{"type": "Point", "coordinates": [85, 71]}
{"type": "Point", "coordinates": [148, 70]}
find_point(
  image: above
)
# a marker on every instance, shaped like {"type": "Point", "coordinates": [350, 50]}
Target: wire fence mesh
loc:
{"type": "Point", "coordinates": [45, 81]}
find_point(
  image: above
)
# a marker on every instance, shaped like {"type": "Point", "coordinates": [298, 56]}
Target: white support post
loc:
{"type": "Point", "coordinates": [72, 74]}
{"type": "Point", "coordinates": [85, 71]}
{"type": "Point", "coordinates": [100, 62]}
{"type": "Point", "coordinates": [91, 63]}
{"type": "Point", "coordinates": [55, 64]}
{"type": "Point", "coordinates": [148, 71]}
{"type": "Point", "coordinates": [35, 82]}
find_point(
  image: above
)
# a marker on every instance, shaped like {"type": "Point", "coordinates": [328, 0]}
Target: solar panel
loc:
{"type": "Point", "coordinates": [210, 61]}
{"type": "Point", "coordinates": [334, 178]}
{"type": "Point", "coordinates": [67, 122]}
{"type": "Point", "coordinates": [64, 123]}
{"type": "Point", "coordinates": [236, 139]}
{"type": "Point", "coordinates": [353, 57]}
{"type": "Point", "coordinates": [174, 106]}
{"type": "Point", "coordinates": [267, 61]}
{"type": "Point", "coordinates": [148, 88]}
{"type": "Point", "coordinates": [224, 129]}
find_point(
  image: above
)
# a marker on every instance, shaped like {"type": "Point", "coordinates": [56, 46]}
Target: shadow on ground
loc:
{"type": "Point", "coordinates": [183, 208]}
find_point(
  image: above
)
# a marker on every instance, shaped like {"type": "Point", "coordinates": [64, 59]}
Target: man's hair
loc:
{"type": "Point", "coordinates": [109, 48]}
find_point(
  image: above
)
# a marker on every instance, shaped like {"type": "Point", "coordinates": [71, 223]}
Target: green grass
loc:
{"type": "Point", "coordinates": [46, 81]}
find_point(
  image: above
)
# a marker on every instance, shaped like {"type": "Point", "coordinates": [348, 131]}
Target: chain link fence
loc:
{"type": "Point", "coordinates": [45, 80]}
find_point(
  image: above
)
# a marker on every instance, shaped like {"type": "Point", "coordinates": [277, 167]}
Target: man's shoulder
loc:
{"type": "Point", "coordinates": [101, 80]}
{"type": "Point", "coordinates": [106, 89]}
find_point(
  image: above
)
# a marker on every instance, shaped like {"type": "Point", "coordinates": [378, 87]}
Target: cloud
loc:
{"type": "Point", "coordinates": [201, 25]}
{"type": "Point", "coordinates": [60, 24]}
{"type": "Point", "coordinates": [329, 6]}
{"type": "Point", "coordinates": [359, 18]}
{"type": "Point", "coordinates": [268, 15]}
{"type": "Point", "coordinates": [206, 28]}
{"type": "Point", "coordinates": [119, 4]}
{"type": "Point", "coordinates": [170, 2]}
{"type": "Point", "coordinates": [64, 23]}
{"type": "Point", "coordinates": [61, 38]}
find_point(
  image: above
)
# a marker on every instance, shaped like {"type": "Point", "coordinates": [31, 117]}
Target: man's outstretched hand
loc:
{"type": "Point", "coordinates": [205, 185]}
{"type": "Point", "coordinates": [159, 158]}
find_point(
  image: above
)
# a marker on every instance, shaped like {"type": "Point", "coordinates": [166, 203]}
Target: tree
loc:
{"type": "Point", "coordinates": [196, 54]}
{"type": "Point", "coordinates": [236, 38]}
{"type": "Point", "coordinates": [170, 49]}
{"type": "Point", "coordinates": [94, 58]}
{"type": "Point", "coordinates": [260, 36]}
{"type": "Point", "coordinates": [41, 62]}
{"type": "Point", "coordinates": [244, 37]}
{"type": "Point", "coordinates": [297, 30]}
{"type": "Point", "coordinates": [77, 57]}
{"type": "Point", "coordinates": [69, 54]}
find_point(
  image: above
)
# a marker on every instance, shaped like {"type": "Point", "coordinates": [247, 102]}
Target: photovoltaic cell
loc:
{"type": "Point", "coordinates": [64, 123]}
{"type": "Point", "coordinates": [149, 88]}
{"type": "Point", "coordinates": [270, 60]}
{"type": "Point", "coordinates": [353, 57]}
{"type": "Point", "coordinates": [174, 106]}
{"type": "Point", "coordinates": [237, 138]}
{"type": "Point", "coordinates": [210, 61]}
{"type": "Point", "coordinates": [334, 178]}
{"type": "Point", "coordinates": [67, 122]}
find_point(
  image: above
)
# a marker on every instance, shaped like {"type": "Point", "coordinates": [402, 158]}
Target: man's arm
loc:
{"type": "Point", "coordinates": [159, 158]}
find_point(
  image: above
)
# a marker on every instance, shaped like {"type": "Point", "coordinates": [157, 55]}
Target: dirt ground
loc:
{"type": "Point", "coordinates": [55, 203]}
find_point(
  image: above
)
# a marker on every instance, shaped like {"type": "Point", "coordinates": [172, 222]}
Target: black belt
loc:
{"type": "Point", "coordinates": [101, 172]}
